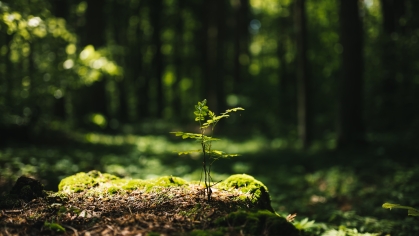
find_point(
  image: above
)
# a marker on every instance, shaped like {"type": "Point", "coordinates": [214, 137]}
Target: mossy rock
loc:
{"type": "Point", "coordinates": [261, 222]}
{"type": "Point", "coordinates": [24, 190]}
{"type": "Point", "coordinates": [255, 190]}
{"type": "Point", "coordinates": [27, 189]}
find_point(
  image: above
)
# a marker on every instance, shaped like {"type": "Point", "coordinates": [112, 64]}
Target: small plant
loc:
{"type": "Point", "coordinates": [207, 121]}
{"type": "Point", "coordinates": [410, 210]}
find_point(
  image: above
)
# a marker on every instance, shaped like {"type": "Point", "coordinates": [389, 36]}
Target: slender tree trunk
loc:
{"type": "Point", "coordinates": [138, 68]}
{"type": "Point", "coordinates": [119, 23]}
{"type": "Point", "coordinates": [219, 78]}
{"type": "Point", "coordinates": [210, 53]}
{"type": "Point", "coordinates": [351, 130]}
{"type": "Point", "coordinates": [93, 98]}
{"type": "Point", "coordinates": [177, 96]}
{"type": "Point", "coordinates": [303, 82]}
{"type": "Point", "coordinates": [60, 8]}
{"type": "Point", "coordinates": [287, 94]}
{"type": "Point", "coordinates": [8, 75]}
{"type": "Point", "coordinates": [241, 40]}
{"type": "Point", "coordinates": [392, 11]}
{"type": "Point", "coordinates": [157, 63]}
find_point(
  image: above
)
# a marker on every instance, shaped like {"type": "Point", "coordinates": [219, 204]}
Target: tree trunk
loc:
{"type": "Point", "coordinates": [157, 62]}
{"type": "Point", "coordinates": [219, 78]}
{"type": "Point", "coordinates": [287, 94]}
{"type": "Point", "coordinates": [92, 99]}
{"type": "Point", "coordinates": [210, 52]}
{"type": "Point", "coordinates": [303, 81]}
{"type": "Point", "coordinates": [178, 47]}
{"type": "Point", "coordinates": [392, 11]}
{"type": "Point", "coordinates": [351, 130]}
{"type": "Point", "coordinates": [241, 40]}
{"type": "Point", "coordinates": [119, 23]}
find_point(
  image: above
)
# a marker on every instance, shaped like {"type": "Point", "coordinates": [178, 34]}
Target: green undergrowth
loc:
{"type": "Point", "coordinates": [241, 222]}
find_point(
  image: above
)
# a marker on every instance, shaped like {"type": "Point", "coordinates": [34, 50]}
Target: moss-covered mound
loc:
{"type": "Point", "coordinates": [252, 189]}
{"type": "Point", "coordinates": [96, 202]}
{"type": "Point", "coordinates": [101, 183]}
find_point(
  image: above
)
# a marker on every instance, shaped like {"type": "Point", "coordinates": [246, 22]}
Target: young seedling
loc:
{"type": "Point", "coordinates": [207, 121]}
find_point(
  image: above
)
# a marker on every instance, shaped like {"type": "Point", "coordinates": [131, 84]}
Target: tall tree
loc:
{"type": "Point", "coordinates": [219, 78]}
{"type": "Point", "coordinates": [392, 63]}
{"type": "Point", "coordinates": [92, 99]}
{"type": "Point", "coordinates": [157, 62]}
{"type": "Point", "coordinates": [178, 53]}
{"type": "Point", "coordinates": [287, 84]}
{"type": "Point", "coordinates": [351, 129]}
{"type": "Point", "coordinates": [303, 80]}
{"type": "Point", "coordinates": [119, 23]}
{"type": "Point", "coordinates": [241, 39]}
{"type": "Point", "coordinates": [138, 66]}
{"type": "Point", "coordinates": [210, 32]}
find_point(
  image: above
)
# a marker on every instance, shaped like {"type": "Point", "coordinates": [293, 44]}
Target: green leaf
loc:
{"type": "Point", "coordinates": [410, 210]}
{"type": "Point", "coordinates": [187, 135]}
{"type": "Point", "coordinates": [54, 226]}
{"type": "Point", "coordinates": [220, 154]}
{"type": "Point", "coordinates": [188, 152]}
{"type": "Point", "coordinates": [177, 133]}
{"type": "Point", "coordinates": [413, 212]}
{"type": "Point", "coordinates": [389, 205]}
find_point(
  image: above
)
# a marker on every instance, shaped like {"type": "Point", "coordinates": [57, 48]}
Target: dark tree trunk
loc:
{"type": "Point", "coordinates": [351, 130]}
{"type": "Point", "coordinates": [287, 94]}
{"type": "Point", "coordinates": [219, 85]}
{"type": "Point", "coordinates": [60, 8]}
{"type": "Point", "coordinates": [303, 83]}
{"type": "Point", "coordinates": [241, 40]}
{"type": "Point", "coordinates": [392, 11]}
{"type": "Point", "coordinates": [210, 51]}
{"type": "Point", "coordinates": [119, 23]}
{"type": "Point", "coordinates": [93, 98]}
{"type": "Point", "coordinates": [178, 55]}
{"type": "Point", "coordinates": [157, 62]}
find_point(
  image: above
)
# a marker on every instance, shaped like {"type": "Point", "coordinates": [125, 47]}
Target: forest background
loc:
{"type": "Point", "coordinates": [330, 91]}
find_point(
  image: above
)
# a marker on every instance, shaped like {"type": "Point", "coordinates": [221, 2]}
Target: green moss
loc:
{"type": "Point", "coordinates": [262, 222]}
{"type": "Point", "coordinates": [169, 181]}
{"type": "Point", "coordinates": [255, 190]}
{"type": "Point", "coordinates": [82, 181]}
{"type": "Point", "coordinates": [134, 184]}
{"type": "Point", "coordinates": [113, 190]}
{"type": "Point", "coordinates": [245, 183]}
{"type": "Point", "coordinates": [95, 179]}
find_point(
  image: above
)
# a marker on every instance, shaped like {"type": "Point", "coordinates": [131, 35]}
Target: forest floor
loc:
{"type": "Point", "coordinates": [166, 211]}
{"type": "Point", "coordinates": [135, 213]}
